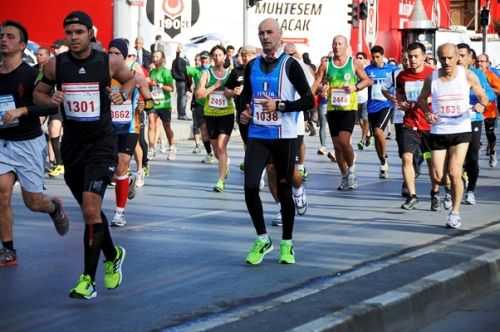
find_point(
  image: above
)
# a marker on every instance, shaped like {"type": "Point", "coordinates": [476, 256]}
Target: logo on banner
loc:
{"type": "Point", "coordinates": [173, 16]}
{"type": "Point", "coordinates": [371, 22]}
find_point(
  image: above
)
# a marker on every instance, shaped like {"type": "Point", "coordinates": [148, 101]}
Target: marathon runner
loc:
{"type": "Point", "coordinates": [449, 88]}
{"type": "Point", "coordinates": [345, 76]}
{"type": "Point", "coordinates": [379, 107]}
{"type": "Point", "coordinates": [83, 79]}
{"type": "Point", "coordinates": [218, 110]}
{"type": "Point", "coordinates": [23, 145]}
{"type": "Point", "coordinates": [271, 83]}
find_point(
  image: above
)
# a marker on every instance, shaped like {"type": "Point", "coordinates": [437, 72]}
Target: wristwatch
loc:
{"type": "Point", "coordinates": [280, 106]}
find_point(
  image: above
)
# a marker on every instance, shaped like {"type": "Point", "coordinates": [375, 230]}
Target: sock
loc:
{"type": "Point", "coordinates": [56, 146]}
{"type": "Point", "coordinates": [207, 146]}
{"type": "Point", "coordinates": [8, 245]}
{"type": "Point", "coordinates": [298, 191]}
{"type": "Point", "coordinates": [92, 242]}
{"type": "Point", "coordinates": [121, 189]}
{"type": "Point", "coordinates": [263, 237]}
{"type": "Point", "coordinates": [108, 247]}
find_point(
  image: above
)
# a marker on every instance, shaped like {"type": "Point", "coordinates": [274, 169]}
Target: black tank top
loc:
{"type": "Point", "coordinates": [87, 107]}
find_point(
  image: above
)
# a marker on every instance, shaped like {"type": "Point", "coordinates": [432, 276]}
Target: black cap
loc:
{"type": "Point", "coordinates": [204, 54]}
{"type": "Point", "coordinates": [78, 17]}
{"type": "Point", "coordinates": [121, 45]}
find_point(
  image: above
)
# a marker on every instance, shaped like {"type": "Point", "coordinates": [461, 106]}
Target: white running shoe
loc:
{"type": "Point", "coordinates": [151, 154]}
{"type": "Point", "coordinates": [384, 171]}
{"type": "Point", "coordinates": [352, 181]}
{"type": "Point", "coordinates": [454, 221]}
{"type": "Point", "coordinates": [118, 220]}
{"type": "Point", "coordinates": [163, 148]}
{"type": "Point", "coordinates": [300, 202]}
{"type": "Point", "coordinates": [447, 201]}
{"type": "Point", "coordinates": [139, 182]}
{"type": "Point", "coordinates": [172, 153]}
{"type": "Point", "coordinates": [343, 184]}
{"type": "Point", "coordinates": [209, 159]}
{"type": "Point", "coordinates": [493, 160]}
{"type": "Point", "coordinates": [277, 222]}
{"type": "Point", "coordinates": [470, 198]}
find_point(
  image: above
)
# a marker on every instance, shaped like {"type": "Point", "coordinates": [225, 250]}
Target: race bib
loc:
{"type": "Point", "coordinates": [217, 100]}
{"type": "Point", "coordinates": [265, 118]}
{"type": "Point", "coordinates": [339, 97]}
{"type": "Point", "coordinates": [157, 94]}
{"type": "Point", "coordinates": [122, 114]}
{"type": "Point", "coordinates": [7, 103]}
{"type": "Point", "coordinates": [377, 92]}
{"type": "Point", "coordinates": [413, 89]}
{"type": "Point", "coordinates": [82, 101]}
{"type": "Point", "coordinates": [450, 109]}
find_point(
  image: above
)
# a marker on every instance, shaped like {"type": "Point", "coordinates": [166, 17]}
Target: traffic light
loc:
{"type": "Point", "coordinates": [251, 3]}
{"type": "Point", "coordinates": [363, 11]}
{"type": "Point", "coordinates": [353, 14]}
{"type": "Point", "coordinates": [484, 17]}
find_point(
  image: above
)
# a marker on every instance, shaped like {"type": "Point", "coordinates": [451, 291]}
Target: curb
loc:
{"type": "Point", "coordinates": [416, 304]}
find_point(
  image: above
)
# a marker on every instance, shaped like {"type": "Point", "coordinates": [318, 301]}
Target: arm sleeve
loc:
{"type": "Point", "coordinates": [299, 81]}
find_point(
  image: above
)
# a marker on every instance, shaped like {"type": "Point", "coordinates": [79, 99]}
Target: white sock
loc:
{"type": "Point", "coordinates": [119, 210]}
{"type": "Point", "coordinates": [263, 237]}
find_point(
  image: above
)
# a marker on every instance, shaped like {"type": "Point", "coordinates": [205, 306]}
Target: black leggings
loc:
{"type": "Point", "coordinates": [259, 152]}
{"type": "Point", "coordinates": [471, 165]}
{"type": "Point", "coordinates": [142, 141]}
{"type": "Point", "coordinates": [489, 128]}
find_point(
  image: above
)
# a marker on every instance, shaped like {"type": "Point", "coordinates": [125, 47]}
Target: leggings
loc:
{"type": "Point", "coordinates": [322, 123]}
{"type": "Point", "coordinates": [489, 128]}
{"type": "Point", "coordinates": [258, 154]}
{"type": "Point", "coordinates": [472, 158]}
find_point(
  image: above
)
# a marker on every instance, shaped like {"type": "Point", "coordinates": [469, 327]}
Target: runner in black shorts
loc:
{"type": "Point", "coordinates": [218, 110]}
{"type": "Point", "coordinates": [83, 78]}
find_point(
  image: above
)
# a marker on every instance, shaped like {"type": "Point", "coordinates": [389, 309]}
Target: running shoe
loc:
{"type": "Point", "coordinates": [59, 217]}
{"type": "Point", "coordinates": [8, 257]}
{"type": "Point", "coordinates": [410, 203]}
{"type": "Point", "coordinates": [435, 203]}
{"type": "Point", "coordinates": [287, 254]}
{"type": "Point", "coordinates": [259, 249]}
{"type": "Point", "coordinates": [113, 275]}
{"type": "Point", "coordinates": [303, 174]}
{"type": "Point", "coordinates": [139, 183]}
{"type": "Point", "coordinates": [343, 184]}
{"type": "Point", "coordinates": [384, 170]}
{"type": "Point", "coordinates": [447, 200]}
{"type": "Point", "coordinates": [493, 160]}
{"type": "Point", "coordinates": [196, 149]}
{"type": "Point", "coordinates": [209, 159]}
{"type": "Point", "coordinates": [151, 154]}
{"type": "Point", "coordinates": [163, 149]}
{"type": "Point", "coordinates": [172, 153]}
{"type": "Point", "coordinates": [119, 220]}
{"type": "Point", "coordinates": [454, 221]}
{"type": "Point", "coordinates": [322, 151]}
{"type": "Point", "coordinates": [132, 186]}
{"type": "Point", "coordinates": [85, 289]}
{"type": "Point", "coordinates": [352, 181]}
{"type": "Point", "coordinates": [361, 146]}
{"type": "Point", "coordinates": [331, 156]}
{"type": "Point", "coordinates": [470, 198]}
{"type": "Point", "coordinates": [300, 202]}
{"type": "Point", "coordinates": [147, 170]}
{"type": "Point", "coordinates": [277, 222]}
{"type": "Point", "coordinates": [56, 171]}
{"type": "Point", "coordinates": [219, 186]}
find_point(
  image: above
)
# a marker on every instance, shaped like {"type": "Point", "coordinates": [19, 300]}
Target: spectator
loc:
{"type": "Point", "coordinates": [157, 45]}
{"type": "Point", "coordinates": [143, 56]}
{"type": "Point", "coordinates": [229, 61]}
{"type": "Point", "coordinates": [179, 72]}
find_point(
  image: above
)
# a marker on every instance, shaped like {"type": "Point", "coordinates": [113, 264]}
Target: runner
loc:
{"type": "Point", "coordinates": [218, 110]}
{"type": "Point", "coordinates": [345, 77]}
{"type": "Point", "coordinates": [490, 113]}
{"type": "Point", "coordinates": [413, 136]}
{"type": "Point", "coordinates": [362, 115]}
{"type": "Point", "coordinates": [126, 127]}
{"type": "Point", "coordinates": [22, 142]}
{"type": "Point", "coordinates": [466, 58]}
{"type": "Point", "coordinates": [162, 84]}
{"type": "Point", "coordinates": [83, 77]}
{"type": "Point", "coordinates": [379, 108]}
{"type": "Point", "coordinates": [272, 81]}
{"type": "Point", "coordinates": [199, 123]}
{"type": "Point", "coordinates": [450, 119]}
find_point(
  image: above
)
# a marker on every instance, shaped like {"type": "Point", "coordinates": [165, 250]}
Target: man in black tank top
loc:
{"type": "Point", "coordinates": [22, 144]}
{"type": "Point", "coordinates": [83, 78]}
